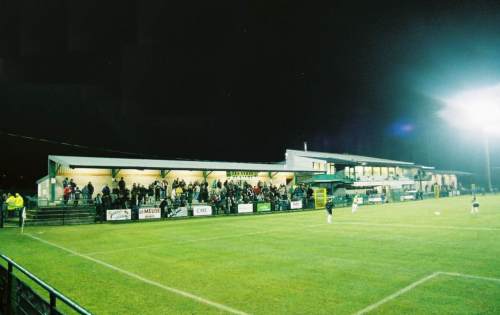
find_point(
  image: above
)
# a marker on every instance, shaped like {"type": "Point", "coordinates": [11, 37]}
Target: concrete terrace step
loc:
{"type": "Point", "coordinates": [89, 220]}
{"type": "Point", "coordinates": [60, 216]}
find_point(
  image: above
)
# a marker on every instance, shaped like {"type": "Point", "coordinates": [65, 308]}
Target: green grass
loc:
{"type": "Point", "coordinates": [292, 263]}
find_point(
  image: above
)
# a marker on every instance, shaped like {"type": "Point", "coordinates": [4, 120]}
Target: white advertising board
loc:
{"type": "Point", "coordinates": [179, 212]}
{"type": "Point", "coordinates": [149, 213]}
{"type": "Point", "coordinates": [375, 199]}
{"type": "Point", "coordinates": [296, 204]}
{"type": "Point", "coordinates": [408, 197]}
{"type": "Point", "coordinates": [202, 210]}
{"type": "Point", "coordinates": [119, 215]}
{"type": "Point", "coordinates": [245, 208]}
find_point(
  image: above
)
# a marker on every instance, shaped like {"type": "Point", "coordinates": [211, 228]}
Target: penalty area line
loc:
{"type": "Point", "coordinates": [373, 306]}
{"type": "Point", "coordinates": [413, 285]}
{"type": "Point", "coordinates": [462, 275]}
{"type": "Point", "coordinates": [145, 280]}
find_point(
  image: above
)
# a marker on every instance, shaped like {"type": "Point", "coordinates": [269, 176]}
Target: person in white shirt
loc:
{"type": "Point", "coordinates": [355, 204]}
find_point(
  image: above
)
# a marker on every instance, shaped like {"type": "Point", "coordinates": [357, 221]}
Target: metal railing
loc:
{"type": "Point", "coordinates": [54, 295]}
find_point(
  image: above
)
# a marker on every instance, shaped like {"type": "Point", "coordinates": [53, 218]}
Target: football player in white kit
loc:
{"type": "Point", "coordinates": [355, 204]}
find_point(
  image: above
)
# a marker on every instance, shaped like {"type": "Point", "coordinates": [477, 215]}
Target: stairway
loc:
{"type": "Point", "coordinates": [60, 216]}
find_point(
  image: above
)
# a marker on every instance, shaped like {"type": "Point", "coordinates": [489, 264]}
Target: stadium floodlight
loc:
{"type": "Point", "coordinates": [476, 110]}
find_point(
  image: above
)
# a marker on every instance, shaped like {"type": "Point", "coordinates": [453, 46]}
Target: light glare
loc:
{"type": "Point", "coordinates": [477, 110]}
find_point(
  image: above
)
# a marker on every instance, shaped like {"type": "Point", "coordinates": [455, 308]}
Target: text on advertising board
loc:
{"type": "Point", "coordinates": [149, 213]}
{"type": "Point", "coordinates": [202, 210]}
{"type": "Point", "coordinates": [118, 215]}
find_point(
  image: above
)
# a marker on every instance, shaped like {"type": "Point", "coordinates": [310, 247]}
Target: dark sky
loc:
{"type": "Point", "coordinates": [241, 80]}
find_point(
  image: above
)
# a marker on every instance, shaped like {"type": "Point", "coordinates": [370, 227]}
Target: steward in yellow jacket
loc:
{"type": "Point", "coordinates": [11, 203]}
{"type": "Point", "coordinates": [19, 201]}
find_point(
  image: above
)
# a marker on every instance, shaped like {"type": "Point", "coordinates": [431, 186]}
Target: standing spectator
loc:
{"type": "Point", "coordinates": [162, 189]}
{"type": "Point", "coordinates": [65, 182]}
{"type": "Point", "coordinates": [163, 205]}
{"type": "Point", "coordinates": [157, 191]}
{"type": "Point", "coordinates": [282, 191]}
{"type": "Point", "coordinates": [121, 184]}
{"type": "Point", "coordinates": [66, 194]}
{"type": "Point", "coordinates": [72, 185]}
{"type": "Point", "coordinates": [134, 195]}
{"type": "Point", "coordinates": [11, 205]}
{"type": "Point", "coordinates": [173, 195]}
{"type": "Point", "coordinates": [85, 193]}
{"type": "Point", "coordinates": [106, 191]}
{"type": "Point", "coordinates": [179, 191]}
{"type": "Point", "coordinates": [150, 193]}
{"type": "Point", "coordinates": [142, 194]}
{"type": "Point", "coordinates": [190, 193]}
{"type": "Point", "coordinates": [98, 207]}
{"type": "Point", "coordinates": [166, 188]}
{"type": "Point", "coordinates": [19, 202]}
{"type": "Point", "coordinates": [90, 189]}
{"type": "Point", "coordinates": [196, 191]}
{"type": "Point", "coordinates": [78, 193]}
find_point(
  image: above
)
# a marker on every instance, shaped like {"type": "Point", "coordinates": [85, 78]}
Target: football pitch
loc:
{"type": "Point", "coordinates": [423, 257]}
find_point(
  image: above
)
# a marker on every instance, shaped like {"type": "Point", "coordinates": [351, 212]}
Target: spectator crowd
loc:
{"type": "Point", "coordinates": [224, 197]}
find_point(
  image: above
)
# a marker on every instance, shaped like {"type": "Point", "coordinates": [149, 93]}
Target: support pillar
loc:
{"type": "Point", "coordinates": [114, 172]}
{"type": "Point", "coordinates": [53, 168]}
{"type": "Point", "coordinates": [206, 173]}
{"type": "Point", "coordinates": [164, 173]}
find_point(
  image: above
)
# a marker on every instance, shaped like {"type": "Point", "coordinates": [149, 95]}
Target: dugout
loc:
{"type": "Point", "coordinates": [108, 171]}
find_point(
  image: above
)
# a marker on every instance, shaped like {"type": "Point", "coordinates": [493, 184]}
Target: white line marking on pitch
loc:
{"type": "Point", "coordinates": [456, 274]}
{"type": "Point", "coordinates": [413, 285]}
{"type": "Point", "coordinates": [151, 282]}
{"type": "Point", "coordinates": [444, 227]}
{"type": "Point", "coordinates": [396, 294]}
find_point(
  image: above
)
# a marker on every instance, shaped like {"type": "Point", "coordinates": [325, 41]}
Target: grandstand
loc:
{"type": "Point", "coordinates": [338, 173]}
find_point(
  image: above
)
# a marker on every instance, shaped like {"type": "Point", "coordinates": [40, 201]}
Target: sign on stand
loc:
{"type": "Point", "coordinates": [179, 212]}
{"type": "Point", "coordinates": [296, 204]}
{"type": "Point", "coordinates": [202, 210]}
{"type": "Point", "coordinates": [149, 213]}
{"type": "Point", "coordinates": [245, 208]}
{"type": "Point", "coordinates": [263, 206]}
{"type": "Point", "coordinates": [119, 215]}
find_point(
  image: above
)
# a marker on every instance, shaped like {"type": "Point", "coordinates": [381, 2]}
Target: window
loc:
{"type": "Point", "coordinates": [359, 171]}
{"type": "Point", "coordinates": [384, 171]}
{"type": "Point", "coordinates": [368, 171]}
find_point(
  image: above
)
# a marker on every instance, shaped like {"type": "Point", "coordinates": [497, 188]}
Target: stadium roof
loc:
{"type": "Point", "coordinates": [124, 163]}
{"type": "Point", "coordinates": [349, 158]}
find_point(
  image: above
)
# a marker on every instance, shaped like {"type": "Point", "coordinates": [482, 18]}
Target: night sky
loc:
{"type": "Point", "coordinates": [241, 80]}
